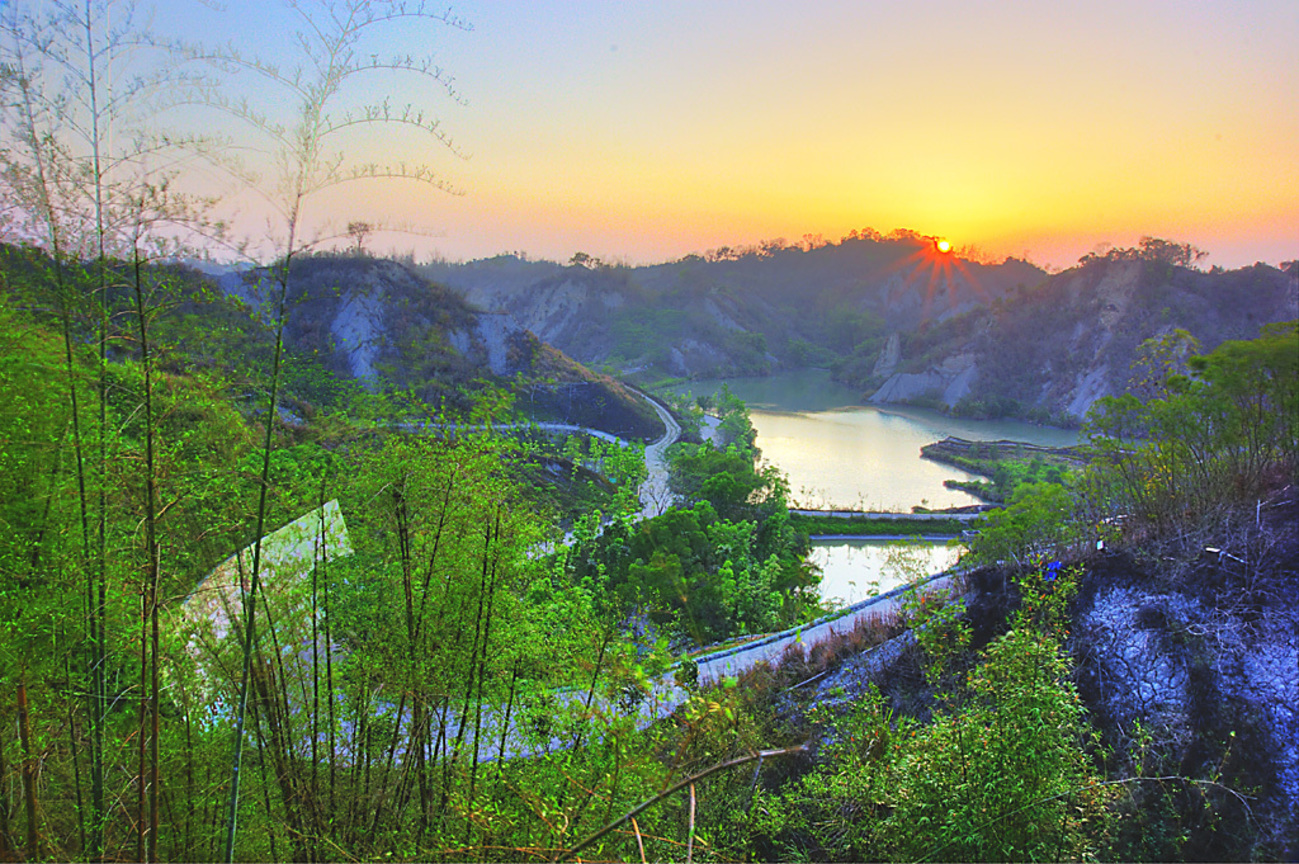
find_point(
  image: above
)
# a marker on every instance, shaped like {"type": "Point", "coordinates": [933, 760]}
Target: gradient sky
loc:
{"type": "Point", "coordinates": [641, 131]}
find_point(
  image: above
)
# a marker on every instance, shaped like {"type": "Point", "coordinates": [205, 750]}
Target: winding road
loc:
{"type": "Point", "coordinates": [536, 725]}
{"type": "Point", "coordinates": [655, 494]}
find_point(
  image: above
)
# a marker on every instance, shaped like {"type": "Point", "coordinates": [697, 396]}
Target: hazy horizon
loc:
{"type": "Point", "coordinates": [640, 132]}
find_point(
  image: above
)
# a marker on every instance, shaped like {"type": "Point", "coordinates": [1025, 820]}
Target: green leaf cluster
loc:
{"type": "Point", "coordinates": [1209, 433]}
{"type": "Point", "coordinates": [1000, 774]}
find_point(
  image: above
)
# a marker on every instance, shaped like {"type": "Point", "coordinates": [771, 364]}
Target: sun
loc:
{"type": "Point", "coordinates": [934, 263]}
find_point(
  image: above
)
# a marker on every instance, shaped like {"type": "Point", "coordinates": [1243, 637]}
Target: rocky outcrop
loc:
{"type": "Point", "coordinates": [1056, 349]}
{"type": "Point", "coordinates": [948, 382]}
{"type": "Point", "coordinates": [372, 319]}
{"type": "Point", "coordinates": [691, 357]}
{"type": "Point", "coordinates": [358, 331]}
{"type": "Point", "coordinates": [910, 387]}
{"type": "Point", "coordinates": [890, 356]}
{"type": "Point", "coordinates": [1208, 665]}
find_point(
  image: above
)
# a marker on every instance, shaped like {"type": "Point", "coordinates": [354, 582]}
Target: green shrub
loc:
{"type": "Point", "coordinates": [1002, 776]}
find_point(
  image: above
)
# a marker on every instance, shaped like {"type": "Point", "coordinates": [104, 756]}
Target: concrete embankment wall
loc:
{"type": "Point", "coordinates": [733, 661]}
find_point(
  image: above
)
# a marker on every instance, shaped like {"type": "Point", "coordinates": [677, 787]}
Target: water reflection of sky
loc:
{"type": "Point", "coordinates": [860, 459]}
{"type": "Point", "coordinates": [839, 453]}
{"type": "Point", "coordinates": [853, 570]}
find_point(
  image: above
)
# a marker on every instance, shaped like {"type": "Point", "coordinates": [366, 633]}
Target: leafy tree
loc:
{"type": "Point", "coordinates": [1203, 440]}
{"type": "Point", "coordinates": [1153, 250]}
{"type": "Point", "coordinates": [1029, 528]}
{"type": "Point", "coordinates": [1001, 774]}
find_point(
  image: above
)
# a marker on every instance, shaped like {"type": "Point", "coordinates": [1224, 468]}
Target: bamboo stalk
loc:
{"type": "Point", "coordinates": [29, 765]}
{"type": "Point", "coordinates": [76, 757]}
{"type": "Point", "coordinates": [153, 551]}
{"type": "Point", "coordinates": [141, 738]}
{"type": "Point", "coordinates": [250, 601]}
{"type": "Point", "coordinates": [482, 665]}
{"type": "Point", "coordinates": [505, 726]}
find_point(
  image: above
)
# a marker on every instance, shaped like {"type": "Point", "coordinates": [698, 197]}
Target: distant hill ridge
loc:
{"type": "Point", "coordinates": [375, 319]}
{"type": "Point", "coordinates": [888, 315]}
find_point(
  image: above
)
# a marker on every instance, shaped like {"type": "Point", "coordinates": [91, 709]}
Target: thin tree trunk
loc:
{"type": "Point", "coordinates": [331, 694]}
{"type": "Point", "coordinates": [482, 664]}
{"type": "Point", "coordinates": [590, 694]}
{"type": "Point", "coordinates": [279, 718]}
{"type": "Point", "coordinates": [215, 822]}
{"type": "Point", "coordinates": [29, 765]}
{"type": "Point", "coordinates": [404, 541]}
{"type": "Point", "coordinates": [420, 710]}
{"type": "Point", "coordinates": [56, 465]}
{"type": "Point", "coordinates": [473, 665]}
{"type": "Point", "coordinates": [189, 774]}
{"type": "Point", "coordinates": [266, 783]}
{"type": "Point", "coordinates": [505, 726]}
{"type": "Point", "coordinates": [250, 602]}
{"type": "Point", "coordinates": [388, 765]}
{"type": "Point", "coordinates": [688, 781]}
{"type": "Point", "coordinates": [317, 556]}
{"type": "Point", "coordinates": [154, 557]}
{"type": "Point", "coordinates": [76, 758]}
{"type": "Point", "coordinates": [99, 812]}
{"type": "Point", "coordinates": [360, 759]}
{"type": "Point", "coordinates": [37, 144]}
{"type": "Point", "coordinates": [281, 755]}
{"type": "Point", "coordinates": [142, 735]}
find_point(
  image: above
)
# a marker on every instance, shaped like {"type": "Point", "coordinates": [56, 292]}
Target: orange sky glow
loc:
{"type": "Point", "coordinates": [641, 131]}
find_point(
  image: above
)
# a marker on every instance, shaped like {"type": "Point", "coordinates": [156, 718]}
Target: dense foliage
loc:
{"type": "Point", "coordinates": [164, 695]}
{"type": "Point", "coordinates": [1000, 774]}
{"type": "Point", "coordinates": [1217, 431]}
{"type": "Point", "coordinates": [1213, 431]}
{"type": "Point", "coordinates": [441, 616]}
{"type": "Point", "coordinates": [726, 561]}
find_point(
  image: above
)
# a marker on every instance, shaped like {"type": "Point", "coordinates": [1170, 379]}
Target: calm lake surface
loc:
{"type": "Point", "coordinates": [841, 454]}
{"type": "Point", "coordinates": [838, 453]}
{"type": "Point", "coordinates": [853, 570]}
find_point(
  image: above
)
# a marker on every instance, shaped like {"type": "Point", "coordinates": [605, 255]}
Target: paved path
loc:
{"type": "Point", "coordinates": [535, 726]}
{"type": "Point", "coordinates": [887, 538]}
{"type": "Point", "coordinates": [547, 427]}
{"type": "Point", "coordinates": [713, 667]}
{"type": "Point", "coordinates": [655, 495]}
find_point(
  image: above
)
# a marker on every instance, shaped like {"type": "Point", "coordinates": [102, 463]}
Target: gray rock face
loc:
{"type": "Point", "coordinates": [1075, 338]}
{"type": "Point", "coordinates": [909, 386]}
{"type": "Point", "coordinates": [1091, 387]}
{"type": "Point", "coordinates": [1195, 669]}
{"type": "Point", "coordinates": [949, 382]}
{"type": "Point", "coordinates": [890, 356]}
{"type": "Point", "coordinates": [961, 385]}
{"type": "Point", "coordinates": [358, 330]}
{"type": "Point", "coordinates": [693, 355]}
{"type": "Point", "coordinates": [1141, 677]}
{"type": "Point", "coordinates": [494, 333]}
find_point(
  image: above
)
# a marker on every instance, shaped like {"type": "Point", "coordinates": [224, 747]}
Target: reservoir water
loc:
{"type": "Point", "coordinates": [853, 570]}
{"type": "Point", "coordinates": [838, 453]}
